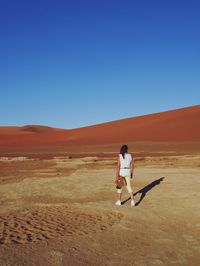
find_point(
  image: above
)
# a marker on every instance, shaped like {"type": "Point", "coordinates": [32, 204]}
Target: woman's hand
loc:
{"type": "Point", "coordinates": [118, 169]}
{"type": "Point", "coordinates": [132, 175]}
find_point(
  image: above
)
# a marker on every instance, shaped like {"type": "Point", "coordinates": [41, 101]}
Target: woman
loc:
{"type": "Point", "coordinates": [125, 168]}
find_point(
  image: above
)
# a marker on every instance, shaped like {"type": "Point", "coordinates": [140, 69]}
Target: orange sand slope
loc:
{"type": "Point", "coordinates": [171, 126]}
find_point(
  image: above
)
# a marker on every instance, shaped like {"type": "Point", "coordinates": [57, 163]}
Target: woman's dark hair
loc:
{"type": "Point", "coordinates": [123, 150]}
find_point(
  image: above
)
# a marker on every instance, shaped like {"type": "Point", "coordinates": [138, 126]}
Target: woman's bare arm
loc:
{"type": "Point", "coordinates": [132, 167]}
{"type": "Point", "coordinates": [118, 168]}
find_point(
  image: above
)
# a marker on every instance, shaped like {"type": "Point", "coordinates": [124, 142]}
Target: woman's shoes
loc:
{"type": "Point", "coordinates": [118, 203]}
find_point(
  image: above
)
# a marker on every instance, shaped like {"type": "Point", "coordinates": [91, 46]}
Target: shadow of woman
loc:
{"type": "Point", "coordinates": [144, 190]}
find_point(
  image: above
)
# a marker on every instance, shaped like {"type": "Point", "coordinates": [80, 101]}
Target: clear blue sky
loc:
{"type": "Point", "coordinates": [75, 63]}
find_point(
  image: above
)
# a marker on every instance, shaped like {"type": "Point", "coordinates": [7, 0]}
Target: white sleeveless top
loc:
{"type": "Point", "coordinates": [125, 164]}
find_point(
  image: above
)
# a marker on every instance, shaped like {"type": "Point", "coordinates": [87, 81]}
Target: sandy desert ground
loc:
{"type": "Point", "coordinates": [61, 211]}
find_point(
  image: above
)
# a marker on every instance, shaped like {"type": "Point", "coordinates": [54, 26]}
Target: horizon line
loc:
{"type": "Point", "coordinates": [91, 125]}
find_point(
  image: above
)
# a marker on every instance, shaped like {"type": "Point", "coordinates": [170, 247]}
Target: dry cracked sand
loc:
{"type": "Point", "coordinates": [61, 212]}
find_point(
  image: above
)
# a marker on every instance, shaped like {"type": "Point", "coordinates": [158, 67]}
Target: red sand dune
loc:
{"type": "Point", "coordinates": [170, 126]}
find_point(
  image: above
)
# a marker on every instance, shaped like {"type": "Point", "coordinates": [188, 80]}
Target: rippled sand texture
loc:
{"type": "Point", "coordinates": [52, 222]}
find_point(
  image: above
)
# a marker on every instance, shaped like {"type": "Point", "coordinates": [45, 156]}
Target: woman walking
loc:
{"type": "Point", "coordinates": [125, 168]}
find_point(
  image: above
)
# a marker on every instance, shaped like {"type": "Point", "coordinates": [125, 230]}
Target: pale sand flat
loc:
{"type": "Point", "coordinates": [71, 219]}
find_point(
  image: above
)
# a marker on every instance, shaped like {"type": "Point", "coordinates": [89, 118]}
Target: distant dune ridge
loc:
{"type": "Point", "coordinates": [170, 126]}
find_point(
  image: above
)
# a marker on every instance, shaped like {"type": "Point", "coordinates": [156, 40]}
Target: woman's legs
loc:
{"type": "Point", "coordinates": [119, 196]}
{"type": "Point", "coordinates": [131, 194]}
{"type": "Point", "coordinates": [129, 188]}
{"type": "Point", "coordinates": [119, 192]}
